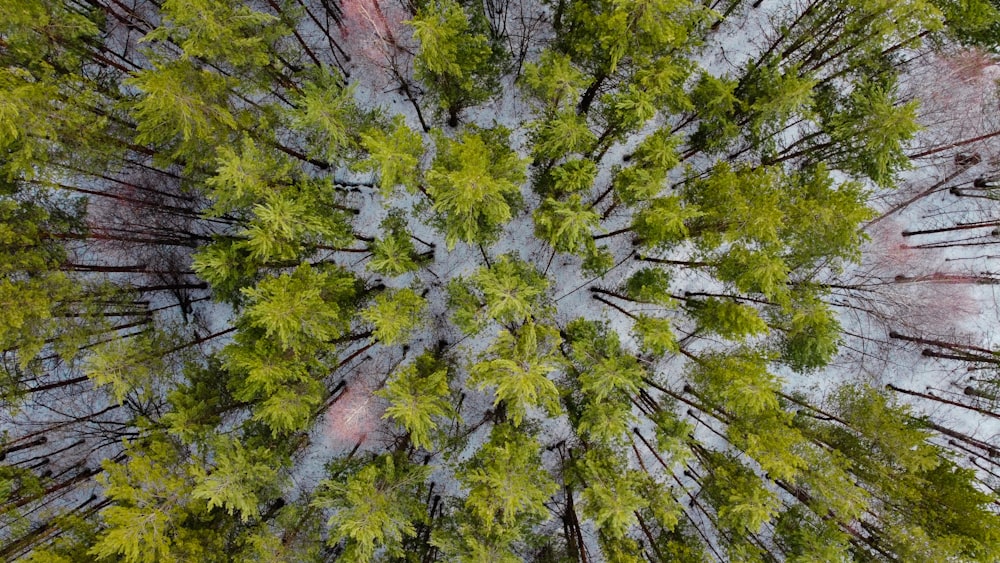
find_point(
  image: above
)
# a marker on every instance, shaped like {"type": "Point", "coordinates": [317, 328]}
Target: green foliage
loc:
{"type": "Point", "coordinates": [327, 114]}
{"type": "Point", "coordinates": [394, 253]}
{"type": "Point", "coordinates": [566, 225]}
{"type": "Point", "coordinates": [573, 176]}
{"type": "Point", "coordinates": [395, 314]}
{"type": "Point", "coordinates": [883, 428]}
{"type": "Point", "coordinates": [813, 335]}
{"type": "Point", "coordinates": [217, 30]}
{"type": "Point", "coordinates": [649, 285]}
{"type": "Point", "coordinates": [300, 309]}
{"type": "Point", "coordinates": [518, 365]}
{"type": "Point", "coordinates": [771, 95]}
{"type": "Point", "coordinates": [395, 154]}
{"type": "Point", "coordinates": [560, 134]}
{"type": "Point", "coordinates": [755, 271]}
{"type": "Point", "coordinates": [417, 394]}
{"type": "Point", "coordinates": [663, 222]}
{"type": "Point", "coordinates": [506, 481]}
{"type": "Point", "coordinates": [245, 176]}
{"type": "Point", "coordinates": [127, 366]}
{"type": "Point", "coordinates": [607, 377]}
{"type": "Point", "coordinates": [737, 381]}
{"type": "Point", "coordinates": [605, 368]}
{"type": "Point", "coordinates": [553, 80]}
{"type": "Point", "coordinates": [612, 493]}
{"type": "Point", "coordinates": [240, 476]}
{"type": "Point", "coordinates": [145, 523]}
{"type": "Point", "coordinates": [810, 540]}
{"type": "Point", "coordinates": [741, 499]}
{"type": "Point", "coordinates": [728, 319]}
{"type": "Point", "coordinates": [656, 334]}
{"type": "Point", "coordinates": [715, 99]}
{"type": "Point", "coordinates": [183, 108]}
{"type": "Point", "coordinates": [512, 291]}
{"type": "Point", "coordinates": [455, 59]}
{"type": "Point", "coordinates": [474, 183]}
{"type": "Point", "coordinates": [871, 113]}
{"type": "Point", "coordinates": [652, 160]}
{"type": "Point", "coordinates": [156, 145]}
{"type": "Point", "coordinates": [226, 265]}
{"type": "Point", "coordinates": [376, 508]}
{"type": "Point", "coordinates": [290, 223]}
{"type": "Point", "coordinates": [972, 22]}
{"type": "Point", "coordinates": [770, 439]}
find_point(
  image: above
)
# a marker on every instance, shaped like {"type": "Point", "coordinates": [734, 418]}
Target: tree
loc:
{"type": "Point", "coordinates": [238, 479]}
{"type": "Point", "coordinates": [455, 60]}
{"type": "Point", "coordinates": [566, 225]}
{"type": "Point", "coordinates": [505, 481]}
{"type": "Point", "coordinates": [395, 314]}
{"type": "Point", "coordinates": [512, 291]}
{"type": "Point", "coordinates": [219, 270]}
{"type": "Point", "coordinates": [473, 183]}
{"type": "Point", "coordinates": [518, 366]}
{"type": "Point", "coordinates": [742, 501]}
{"type": "Point", "coordinates": [376, 507]}
{"type": "Point", "coordinates": [612, 494]}
{"type": "Point", "coordinates": [394, 155]}
{"type": "Point", "coordinates": [417, 395]}
{"type": "Point", "coordinates": [394, 254]}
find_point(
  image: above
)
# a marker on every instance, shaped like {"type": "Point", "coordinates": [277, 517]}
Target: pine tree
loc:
{"type": "Point", "coordinates": [455, 60]}
{"type": "Point", "coordinates": [473, 183]}
{"type": "Point", "coordinates": [394, 254]}
{"type": "Point", "coordinates": [184, 109]}
{"type": "Point", "coordinates": [395, 315]}
{"type": "Point", "coordinates": [505, 480]}
{"type": "Point", "coordinates": [375, 508]}
{"type": "Point", "coordinates": [512, 291]}
{"type": "Point", "coordinates": [303, 308]}
{"type": "Point", "coordinates": [518, 365]}
{"type": "Point", "coordinates": [395, 155]}
{"type": "Point", "coordinates": [191, 249]}
{"type": "Point", "coordinates": [566, 225]}
{"type": "Point", "coordinates": [238, 479]}
{"type": "Point", "coordinates": [742, 501]}
{"type": "Point", "coordinates": [728, 319]}
{"type": "Point", "coordinates": [418, 394]}
{"type": "Point", "coordinates": [326, 113]}
{"type": "Point", "coordinates": [612, 493]}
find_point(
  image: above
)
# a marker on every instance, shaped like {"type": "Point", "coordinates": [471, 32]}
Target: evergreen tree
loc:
{"type": "Point", "coordinates": [518, 366]}
{"type": "Point", "coordinates": [198, 200]}
{"type": "Point", "coordinates": [375, 508]}
{"type": "Point", "coordinates": [456, 59]}
{"type": "Point", "coordinates": [395, 315]}
{"type": "Point", "coordinates": [418, 394]}
{"type": "Point", "coordinates": [506, 481]}
{"type": "Point", "coordinates": [473, 183]}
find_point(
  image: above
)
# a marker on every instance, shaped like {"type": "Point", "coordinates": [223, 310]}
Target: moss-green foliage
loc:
{"type": "Point", "coordinates": [518, 366]}
{"type": "Point", "coordinates": [376, 508]}
{"type": "Point", "coordinates": [505, 480]}
{"type": "Point", "coordinates": [395, 315]}
{"type": "Point", "coordinates": [455, 60]}
{"type": "Point", "coordinates": [508, 291]}
{"type": "Point", "coordinates": [417, 395]}
{"type": "Point", "coordinates": [474, 184]}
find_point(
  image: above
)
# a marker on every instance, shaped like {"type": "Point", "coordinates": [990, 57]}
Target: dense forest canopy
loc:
{"type": "Point", "coordinates": [550, 281]}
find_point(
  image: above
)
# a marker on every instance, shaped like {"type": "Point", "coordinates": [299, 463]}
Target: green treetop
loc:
{"type": "Point", "coordinates": [474, 183]}
{"type": "Point", "coordinates": [376, 508]}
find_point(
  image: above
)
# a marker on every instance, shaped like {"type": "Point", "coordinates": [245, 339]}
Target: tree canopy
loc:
{"type": "Point", "coordinates": [437, 280]}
